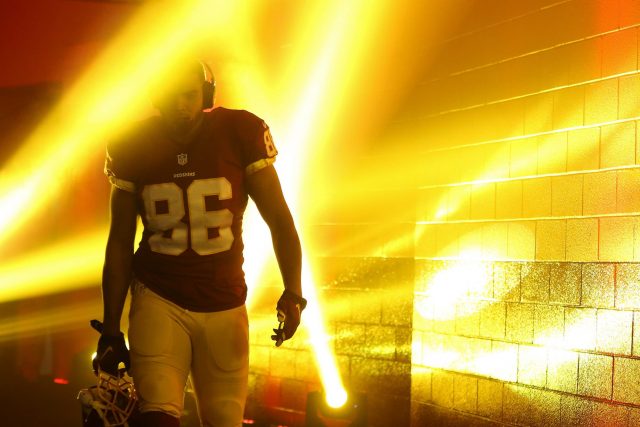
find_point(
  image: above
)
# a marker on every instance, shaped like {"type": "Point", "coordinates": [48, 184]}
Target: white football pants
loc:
{"type": "Point", "coordinates": [168, 342]}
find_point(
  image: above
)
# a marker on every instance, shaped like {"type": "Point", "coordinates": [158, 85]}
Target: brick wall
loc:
{"type": "Point", "coordinates": [537, 225]}
{"type": "Point", "coordinates": [479, 266]}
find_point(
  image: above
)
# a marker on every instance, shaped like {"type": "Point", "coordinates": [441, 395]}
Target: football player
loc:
{"type": "Point", "coordinates": [188, 173]}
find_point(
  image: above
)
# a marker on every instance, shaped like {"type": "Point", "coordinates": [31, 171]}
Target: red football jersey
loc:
{"type": "Point", "coordinates": [191, 199]}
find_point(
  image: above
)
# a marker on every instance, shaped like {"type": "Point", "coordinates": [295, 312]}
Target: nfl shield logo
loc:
{"type": "Point", "coordinates": [182, 159]}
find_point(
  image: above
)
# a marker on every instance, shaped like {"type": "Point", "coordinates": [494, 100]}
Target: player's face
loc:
{"type": "Point", "coordinates": [181, 103]}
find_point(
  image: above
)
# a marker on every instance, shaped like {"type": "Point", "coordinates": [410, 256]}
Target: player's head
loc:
{"type": "Point", "coordinates": [183, 91]}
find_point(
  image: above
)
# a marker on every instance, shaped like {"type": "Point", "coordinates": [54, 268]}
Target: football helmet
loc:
{"type": "Point", "coordinates": [109, 403]}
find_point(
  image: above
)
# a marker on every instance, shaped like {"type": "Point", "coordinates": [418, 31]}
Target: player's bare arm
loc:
{"type": "Point", "coordinates": [265, 190]}
{"type": "Point", "coordinates": [116, 274]}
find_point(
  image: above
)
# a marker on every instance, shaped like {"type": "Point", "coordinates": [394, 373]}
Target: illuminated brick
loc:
{"type": "Point", "coordinates": [372, 374]}
{"type": "Point", "coordinates": [433, 346]}
{"type": "Point", "coordinates": [495, 240]}
{"type": "Point", "coordinates": [521, 240]}
{"type": "Point", "coordinates": [444, 318]}
{"type": "Point", "coordinates": [619, 52]}
{"type": "Point", "coordinates": [524, 154]}
{"type": "Point", "coordinates": [442, 388]}
{"type": "Point", "coordinates": [606, 414]}
{"type": "Point", "coordinates": [420, 384]}
{"type": "Point", "coordinates": [282, 362]}
{"type": "Point", "coordinates": [627, 199]}
{"type": "Point", "coordinates": [568, 107]}
{"type": "Point", "coordinates": [574, 411]}
{"type": "Point", "coordinates": [637, 143]}
{"type": "Point", "coordinates": [582, 239]}
{"type": "Point", "coordinates": [601, 102]}
{"type": "Point", "coordinates": [614, 331]}
{"type": "Point", "coordinates": [401, 247]}
{"type": "Point", "coordinates": [259, 359]}
{"type": "Point", "coordinates": [566, 195]}
{"type": "Point", "coordinates": [467, 318]}
{"type": "Point", "coordinates": [562, 372]}
{"type": "Point", "coordinates": [465, 393]}
{"type": "Point", "coordinates": [396, 307]}
{"type": "Point", "coordinates": [534, 283]}
{"type": "Point", "coordinates": [626, 387]}
{"type": "Point", "coordinates": [380, 341]}
{"type": "Point", "coordinates": [493, 320]}
{"type": "Point", "coordinates": [544, 408]}
{"type": "Point", "coordinates": [636, 334]}
{"type": "Point", "coordinates": [459, 202]}
{"type": "Point", "coordinates": [425, 240]}
{"type": "Point", "coordinates": [551, 240]}
{"type": "Point", "coordinates": [520, 322]}
{"type": "Point", "coordinates": [552, 153]}
{"type": "Point", "coordinates": [477, 352]}
{"type": "Point", "coordinates": [616, 239]}
{"type": "Point", "coordinates": [627, 285]}
{"type": "Point", "coordinates": [447, 240]}
{"type": "Point", "coordinates": [584, 59]}
{"type": "Point", "coordinates": [470, 242]}
{"type": "Point", "coordinates": [595, 375]}
{"type": "Point", "coordinates": [548, 325]}
{"type": "Point", "coordinates": [481, 284]}
{"type": "Point", "coordinates": [598, 285]}
{"type": "Point", "coordinates": [538, 113]}
{"type": "Point", "coordinates": [365, 310]}
{"type": "Point", "coordinates": [532, 365]}
{"type": "Point", "coordinates": [599, 193]}
{"type": "Point", "coordinates": [416, 347]}
{"type": "Point", "coordinates": [350, 338]}
{"type": "Point", "coordinates": [636, 239]}
{"type": "Point", "coordinates": [617, 145]}
{"type": "Point", "coordinates": [564, 280]}
{"type": "Point", "coordinates": [490, 398]}
{"type": "Point", "coordinates": [580, 328]}
{"type": "Point", "coordinates": [497, 165]}
{"type": "Point", "coordinates": [629, 93]}
{"type": "Point", "coordinates": [503, 361]}
{"type": "Point", "coordinates": [583, 149]}
{"type": "Point", "coordinates": [509, 199]}
{"type": "Point", "coordinates": [483, 201]}
{"type": "Point", "coordinates": [536, 197]}
{"type": "Point", "coordinates": [458, 346]}
{"type": "Point", "coordinates": [506, 281]}
{"type": "Point", "coordinates": [305, 367]}
{"type": "Point", "coordinates": [515, 403]}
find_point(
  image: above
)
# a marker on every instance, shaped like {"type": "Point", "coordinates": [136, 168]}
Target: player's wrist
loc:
{"type": "Point", "coordinates": [295, 298]}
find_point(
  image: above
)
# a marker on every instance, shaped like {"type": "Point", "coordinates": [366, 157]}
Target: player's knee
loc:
{"type": "Point", "coordinates": [160, 393]}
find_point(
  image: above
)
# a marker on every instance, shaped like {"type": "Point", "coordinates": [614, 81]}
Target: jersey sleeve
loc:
{"type": "Point", "coordinates": [118, 169]}
{"type": "Point", "coordinates": [257, 145]}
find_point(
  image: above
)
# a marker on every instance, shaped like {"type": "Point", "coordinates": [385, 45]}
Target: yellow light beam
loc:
{"type": "Point", "coordinates": [112, 90]}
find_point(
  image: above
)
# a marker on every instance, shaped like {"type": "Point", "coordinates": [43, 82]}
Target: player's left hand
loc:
{"type": "Point", "coordinates": [289, 309]}
{"type": "Point", "coordinates": [111, 352]}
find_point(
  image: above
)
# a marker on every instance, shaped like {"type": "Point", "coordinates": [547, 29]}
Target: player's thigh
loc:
{"type": "Point", "coordinates": [160, 353]}
{"type": "Point", "coordinates": [220, 367]}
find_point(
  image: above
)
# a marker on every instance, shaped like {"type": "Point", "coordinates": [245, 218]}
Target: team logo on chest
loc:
{"type": "Point", "coordinates": [182, 159]}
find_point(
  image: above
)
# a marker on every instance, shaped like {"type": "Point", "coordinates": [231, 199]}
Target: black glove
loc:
{"type": "Point", "coordinates": [289, 309]}
{"type": "Point", "coordinates": [111, 351]}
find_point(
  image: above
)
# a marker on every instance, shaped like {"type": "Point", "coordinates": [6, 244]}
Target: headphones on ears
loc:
{"type": "Point", "coordinates": [208, 87]}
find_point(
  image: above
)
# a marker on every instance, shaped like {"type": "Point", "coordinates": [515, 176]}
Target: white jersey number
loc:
{"type": "Point", "coordinates": [171, 234]}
